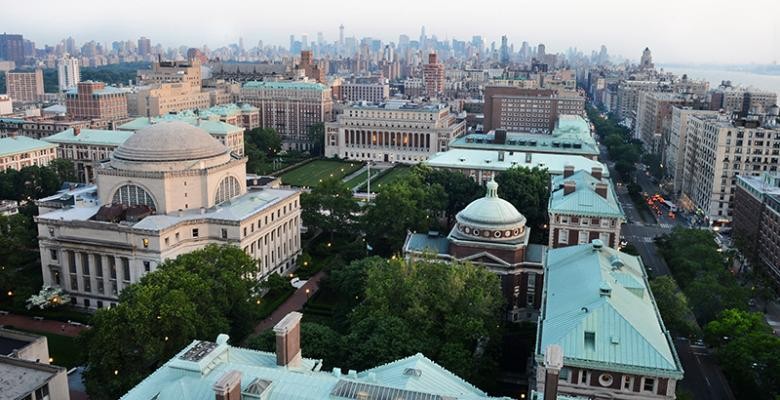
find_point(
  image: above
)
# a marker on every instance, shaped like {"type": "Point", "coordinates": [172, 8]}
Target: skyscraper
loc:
{"type": "Point", "coordinates": [540, 52]}
{"type": "Point", "coordinates": [24, 86]}
{"type": "Point", "coordinates": [647, 59]}
{"type": "Point", "coordinates": [341, 35]}
{"type": "Point", "coordinates": [423, 38]}
{"type": "Point", "coordinates": [504, 51]}
{"type": "Point", "coordinates": [144, 46]}
{"type": "Point", "coordinates": [68, 72]}
{"type": "Point", "coordinates": [12, 48]}
{"type": "Point", "coordinates": [433, 76]}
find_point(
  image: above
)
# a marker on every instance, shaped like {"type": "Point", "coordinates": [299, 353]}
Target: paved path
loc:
{"type": "Point", "coordinates": [293, 303]}
{"type": "Point", "coordinates": [45, 326]}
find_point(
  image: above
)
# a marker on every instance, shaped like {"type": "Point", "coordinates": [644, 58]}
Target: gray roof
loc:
{"type": "Point", "coordinates": [170, 141]}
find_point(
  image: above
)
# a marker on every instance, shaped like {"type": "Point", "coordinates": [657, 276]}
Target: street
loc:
{"type": "Point", "coordinates": [703, 376]}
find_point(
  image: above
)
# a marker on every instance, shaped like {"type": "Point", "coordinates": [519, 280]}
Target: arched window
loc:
{"type": "Point", "coordinates": [228, 188]}
{"type": "Point", "coordinates": [133, 195]}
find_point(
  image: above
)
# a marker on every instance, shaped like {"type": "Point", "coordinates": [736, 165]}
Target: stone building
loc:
{"type": "Point", "coordinates": [167, 190]}
{"type": "Point", "coordinates": [18, 152]}
{"type": "Point", "coordinates": [491, 233]}
{"type": "Point", "coordinates": [26, 368]}
{"type": "Point", "coordinates": [86, 147]}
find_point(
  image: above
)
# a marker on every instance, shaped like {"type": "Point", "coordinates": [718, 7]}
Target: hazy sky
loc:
{"type": "Point", "coordinates": [699, 31]}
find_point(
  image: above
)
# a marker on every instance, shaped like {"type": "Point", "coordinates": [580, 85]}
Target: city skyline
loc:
{"type": "Point", "coordinates": [669, 28]}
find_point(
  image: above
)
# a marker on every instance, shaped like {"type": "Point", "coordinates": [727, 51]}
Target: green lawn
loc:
{"type": "Point", "coordinates": [396, 173]}
{"type": "Point", "coordinates": [63, 349]}
{"type": "Point", "coordinates": [312, 173]}
{"type": "Point", "coordinates": [362, 178]}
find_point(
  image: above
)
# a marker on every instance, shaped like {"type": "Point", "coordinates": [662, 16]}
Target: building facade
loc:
{"type": "Point", "coordinates": [433, 77]}
{"type": "Point", "coordinates": [290, 107]}
{"type": "Point", "coordinates": [600, 318]}
{"type": "Point", "coordinates": [756, 220]}
{"type": "Point", "coordinates": [654, 117]}
{"type": "Point", "coordinates": [18, 152]}
{"type": "Point", "coordinates": [529, 110]}
{"type": "Point", "coordinates": [86, 147]}
{"type": "Point", "coordinates": [37, 128]}
{"type": "Point", "coordinates": [94, 100]}
{"type": "Point", "coordinates": [370, 92]}
{"type": "Point", "coordinates": [167, 190]}
{"type": "Point", "coordinates": [68, 73]}
{"type": "Point", "coordinates": [583, 206]}
{"type": "Point", "coordinates": [397, 131]}
{"type": "Point", "coordinates": [24, 86]}
{"type": "Point", "coordinates": [491, 233]}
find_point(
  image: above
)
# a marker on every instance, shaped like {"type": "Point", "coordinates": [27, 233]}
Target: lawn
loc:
{"type": "Point", "coordinates": [362, 178]}
{"type": "Point", "coordinates": [63, 349]}
{"type": "Point", "coordinates": [312, 173]}
{"type": "Point", "coordinates": [394, 174]}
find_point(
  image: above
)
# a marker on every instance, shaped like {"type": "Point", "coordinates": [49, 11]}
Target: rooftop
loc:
{"type": "Point", "coordinates": [184, 377]}
{"type": "Point", "coordinates": [584, 200]}
{"type": "Point", "coordinates": [98, 137]}
{"type": "Point", "coordinates": [22, 144]}
{"type": "Point", "coordinates": [213, 127]}
{"type": "Point", "coordinates": [290, 85]}
{"type": "Point", "coordinates": [489, 160]}
{"type": "Point", "coordinates": [100, 92]}
{"type": "Point", "coordinates": [598, 307]}
{"type": "Point", "coordinates": [20, 377]}
{"type": "Point", "coordinates": [398, 105]}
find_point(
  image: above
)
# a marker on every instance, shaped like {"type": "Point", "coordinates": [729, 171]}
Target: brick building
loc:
{"type": "Point", "coordinates": [433, 76]}
{"type": "Point", "coordinates": [756, 220]}
{"type": "Point", "coordinates": [95, 100]}
{"type": "Point", "coordinates": [24, 86]}
{"type": "Point", "coordinates": [529, 110]}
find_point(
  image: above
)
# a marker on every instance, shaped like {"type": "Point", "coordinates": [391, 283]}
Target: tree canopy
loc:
{"type": "Point", "coordinates": [459, 189]}
{"type": "Point", "coordinates": [317, 139]}
{"type": "Point", "coordinates": [196, 296]}
{"type": "Point", "coordinates": [330, 207]}
{"type": "Point", "coordinates": [529, 191]}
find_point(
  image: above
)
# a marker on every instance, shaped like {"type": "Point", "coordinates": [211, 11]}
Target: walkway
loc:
{"type": "Point", "coordinates": [43, 325]}
{"type": "Point", "coordinates": [294, 303]}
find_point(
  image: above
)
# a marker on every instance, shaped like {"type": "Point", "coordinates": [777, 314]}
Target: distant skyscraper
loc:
{"type": "Point", "coordinates": [433, 76]}
{"type": "Point", "coordinates": [70, 46]}
{"type": "Point", "coordinates": [540, 52]}
{"type": "Point", "coordinates": [12, 48]}
{"type": "Point", "coordinates": [305, 41]}
{"type": "Point", "coordinates": [292, 42]}
{"type": "Point", "coordinates": [241, 43]}
{"type": "Point", "coordinates": [504, 51]}
{"type": "Point", "coordinates": [647, 59]}
{"type": "Point", "coordinates": [478, 43]}
{"type": "Point", "coordinates": [68, 72]}
{"type": "Point", "coordinates": [423, 38]}
{"type": "Point", "coordinates": [144, 46]}
{"type": "Point", "coordinates": [341, 35]}
{"type": "Point", "coordinates": [525, 51]}
{"type": "Point", "coordinates": [320, 39]}
{"type": "Point", "coordinates": [603, 56]}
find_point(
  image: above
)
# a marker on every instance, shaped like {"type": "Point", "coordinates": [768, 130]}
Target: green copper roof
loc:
{"type": "Point", "coordinates": [293, 85]}
{"type": "Point", "coordinates": [599, 309]}
{"type": "Point", "coordinates": [22, 144]}
{"type": "Point", "coordinates": [192, 373]}
{"type": "Point", "coordinates": [584, 200]}
{"type": "Point", "coordinates": [211, 126]}
{"type": "Point", "coordinates": [98, 137]}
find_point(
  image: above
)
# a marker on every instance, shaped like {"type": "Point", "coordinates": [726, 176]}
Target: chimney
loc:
{"type": "Point", "coordinates": [288, 340]}
{"type": "Point", "coordinates": [499, 137]}
{"type": "Point", "coordinates": [569, 187]}
{"type": "Point", "coordinates": [76, 131]}
{"type": "Point", "coordinates": [568, 171]}
{"type": "Point", "coordinates": [596, 172]}
{"type": "Point", "coordinates": [228, 387]}
{"type": "Point", "coordinates": [601, 189]}
{"type": "Point", "coordinates": [553, 362]}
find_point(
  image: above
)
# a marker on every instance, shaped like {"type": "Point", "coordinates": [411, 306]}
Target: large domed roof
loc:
{"type": "Point", "coordinates": [170, 141]}
{"type": "Point", "coordinates": [491, 210]}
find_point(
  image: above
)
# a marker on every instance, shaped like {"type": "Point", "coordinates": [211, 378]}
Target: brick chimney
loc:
{"type": "Point", "coordinates": [569, 187]}
{"type": "Point", "coordinates": [228, 387]}
{"type": "Point", "coordinates": [553, 362]}
{"type": "Point", "coordinates": [568, 171]}
{"type": "Point", "coordinates": [288, 340]}
{"type": "Point", "coordinates": [596, 172]}
{"type": "Point", "coordinates": [76, 131]}
{"type": "Point", "coordinates": [601, 189]}
{"type": "Point", "coordinates": [499, 137]}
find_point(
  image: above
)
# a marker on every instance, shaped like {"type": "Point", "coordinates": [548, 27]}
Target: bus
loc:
{"type": "Point", "coordinates": [672, 206]}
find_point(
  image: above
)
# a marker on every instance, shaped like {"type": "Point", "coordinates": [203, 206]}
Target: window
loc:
{"type": "Point", "coordinates": [126, 269]}
{"type": "Point", "coordinates": [133, 195]}
{"type": "Point", "coordinates": [604, 237]}
{"type": "Point", "coordinates": [648, 385]}
{"type": "Point", "coordinates": [605, 223]}
{"type": "Point", "coordinates": [628, 383]}
{"type": "Point", "coordinates": [565, 374]}
{"type": "Point", "coordinates": [582, 237]}
{"type": "Point", "coordinates": [584, 377]}
{"type": "Point", "coordinates": [228, 188]}
{"type": "Point", "coordinates": [53, 254]}
{"type": "Point", "coordinates": [590, 341]}
{"type": "Point", "coordinates": [224, 233]}
{"type": "Point", "coordinates": [42, 392]}
{"type": "Point", "coordinates": [195, 232]}
{"type": "Point", "coordinates": [563, 236]}
{"type": "Point", "coordinates": [564, 219]}
{"type": "Point", "coordinates": [584, 221]}
{"type": "Point", "coordinates": [147, 266]}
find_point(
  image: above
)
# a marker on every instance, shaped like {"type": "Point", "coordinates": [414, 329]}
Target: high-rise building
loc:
{"type": "Point", "coordinates": [654, 117]}
{"type": "Point", "coordinates": [757, 220]}
{"type": "Point", "coordinates": [646, 62]}
{"type": "Point", "coordinates": [433, 76]}
{"type": "Point", "coordinates": [94, 100]}
{"type": "Point", "coordinates": [24, 86]}
{"type": "Point", "coordinates": [529, 110]}
{"type": "Point", "coordinates": [742, 100]}
{"type": "Point", "coordinates": [374, 132]}
{"type": "Point", "coordinates": [291, 108]}
{"type": "Point", "coordinates": [186, 73]}
{"type": "Point", "coordinates": [504, 51]}
{"type": "Point", "coordinates": [144, 46]}
{"type": "Point", "coordinates": [310, 68]}
{"type": "Point", "coordinates": [68, 72]}
{"type": "Point", "coordinates": [12, 48]}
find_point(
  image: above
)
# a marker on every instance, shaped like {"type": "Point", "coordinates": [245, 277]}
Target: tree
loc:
{"type": "Point", "coordinates": [403, 206]}
{"type": "Point", "coordinates": [529, 191]}
{"type": "Point", "coordinates": [317, 341]}
{"type": "Point", "coordinates": [459, 189]}
{"type": "Point", "coordinates": [65, 170]}
{"type": "Point", "coordinates": [266, 140]}
{"type": "Point", "coordinates": [673, 306]}
{"type": "Point", "coordinates": [197, 295]}
{"type": "Point", "coordinates": [317, 139]}
{"type": "Point", "coordinates": [329, 207]}
{"type": "Point", "coordinates": [732, 323]}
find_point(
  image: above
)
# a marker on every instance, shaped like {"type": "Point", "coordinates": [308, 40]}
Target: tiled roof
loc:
{"type": "Point", "coordinates": [584, 200]}
{"type": "Point", "coordinates": [98, 137]}
{"type": "Point", "coordinates": [22, 144]}
{"type": "Point", "coordinates": [605, 294]}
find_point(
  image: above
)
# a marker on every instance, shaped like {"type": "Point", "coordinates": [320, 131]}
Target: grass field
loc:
{"type": "Point", "coordinates": [312, 173]}
{"type": "Point", "coordinates": [362, 178]}
{"type": "Point", "coordinates": [398, 172]}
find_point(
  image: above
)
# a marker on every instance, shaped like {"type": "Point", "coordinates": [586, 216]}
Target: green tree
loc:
{"type": "Point", "coordinates": [65, 170]}
{"type": "Point", "coordinates": [317, 139]}
{"type": "Point", "coordinates": [330, 207]}
{"type": "Point", "coordinates": [732, 323]}
{"type": "Point", "coordinates": [197, 295]}
{"type": "Point", "coordinates": [317, 341]}
{"type": "Point", "coordinates": [267, 140]}
{"type": "Point", "coordinates": [459, 189]}
{"type": "Point", "coordinates": [529, 191]}
{"type": "Point", "coordinates": [673, 306]}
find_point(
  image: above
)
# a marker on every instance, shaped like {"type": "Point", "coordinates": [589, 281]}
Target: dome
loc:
{"type": "Point", "coordinates": [170, 141]}
{"type": "Point", "coordinates": [491, 218]}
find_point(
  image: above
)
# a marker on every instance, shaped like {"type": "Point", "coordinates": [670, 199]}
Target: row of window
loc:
{"type": "Point", "coordinates": [583, 237]}
{"type": "Point", "coordinates": [646, 385]}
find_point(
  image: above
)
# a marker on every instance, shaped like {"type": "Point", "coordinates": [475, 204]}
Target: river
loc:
{"type": "Point", "coordinates": [715, 75]}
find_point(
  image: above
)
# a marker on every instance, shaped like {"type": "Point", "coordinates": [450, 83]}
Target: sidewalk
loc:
{"type": "Point", "coordinates": [294, 303]}
{"type": "Point", "coordinates": [44, 326]}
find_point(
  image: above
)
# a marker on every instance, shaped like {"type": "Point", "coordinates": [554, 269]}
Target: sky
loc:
{"type": "Point", "coordinates": [677, 31]}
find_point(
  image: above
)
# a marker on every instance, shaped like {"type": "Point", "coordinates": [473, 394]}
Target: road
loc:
{"type": "Point", "coordinates": [703, 376]}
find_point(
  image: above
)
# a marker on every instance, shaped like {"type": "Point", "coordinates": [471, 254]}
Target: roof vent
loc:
{"type": "Point", "coordinates": [605, 290]}
{"type": "Point", "coordinates": [597, 244]}
{"type": "Point", "coordinates": [413, 372]}
{"type": "Point", "coordinates": [616, 262]}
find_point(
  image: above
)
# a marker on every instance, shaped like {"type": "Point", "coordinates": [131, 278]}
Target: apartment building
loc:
{"type": "Point", "coordinates": [654, 117]}
{"type": "Point", "coordinates": [24, 86]}
{"type": "Point", "coordinates": [290, 107]}
{"type": "Point", "coordinates": [433, 76]}
{"type": "Point", "coordinates": [529, 110]}
{"type": "Point", "coordinates": [94, 100]}
{"type": "Point", "coordinates": [674, 157]}
{"type": "Point", "coordinates": [397, 131]}
{"type": "Point", "coordinates": [37, 128]}
{"type": "Point", "coordinates": [756, 220]}
{"type": "Point", "coordinates": [371, 92]}
{"type": "Point", "coordinates": [742, 100]}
